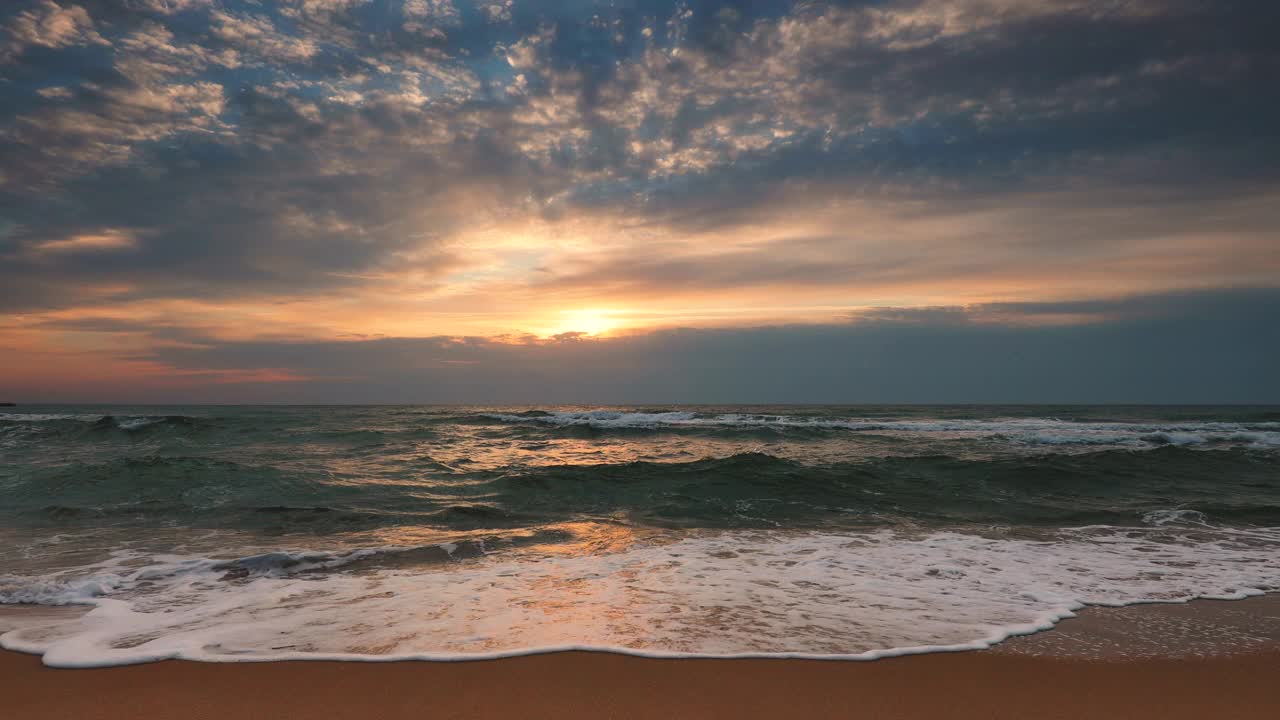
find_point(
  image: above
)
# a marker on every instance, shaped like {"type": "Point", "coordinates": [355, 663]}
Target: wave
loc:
{"type": "Point", "coordinates": [1175, 515]}
{"type": "Point", "coordinates": [761, 490]}
{"type": "Point", "coordinates": [45, 426]}
{"type": "Point", "coordinates": [123, 422]}
{"type": "Point", "coordinates": [124, 571]}
{"type": "Point", "coordinates": [752, 489]}
{"type": "Point", "coordinates": [728, 594]}
{"type": "Point", "coordinates": [1047, 431]}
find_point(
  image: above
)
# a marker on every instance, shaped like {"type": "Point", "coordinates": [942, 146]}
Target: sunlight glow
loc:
{"type": "Point", "coordinates": [591, 321]}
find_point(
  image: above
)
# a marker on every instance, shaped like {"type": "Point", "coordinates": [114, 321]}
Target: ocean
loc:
{"type": "Point", "coordinates": [131, 534]}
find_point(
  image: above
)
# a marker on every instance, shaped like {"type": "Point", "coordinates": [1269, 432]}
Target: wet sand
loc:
{"type": "Point", "coordinates": [1136, 663]}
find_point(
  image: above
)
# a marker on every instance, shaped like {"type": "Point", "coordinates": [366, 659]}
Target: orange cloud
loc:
{"type": "Point", "coordinates": [92, 242]}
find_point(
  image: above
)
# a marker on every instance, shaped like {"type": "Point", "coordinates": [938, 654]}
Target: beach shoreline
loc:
{"type": "Point", "coordinates": [1046, 675]}
{"type": "Point", "coordinates": [976, 684]}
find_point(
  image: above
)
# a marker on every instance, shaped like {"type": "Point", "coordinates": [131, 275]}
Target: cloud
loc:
{"type": "Point", "coordinates": [429, 167]}
{"type": "Point", "coordinates": [99, 124]}
{"type": "Point", "coordinates": [1197, 347]}
{"type": "Point", "coordinates": [50, 25]}
{"type": "Point", "coordinates": [260, 39]}
{"type": "Point", "coordinates": [105, 240]}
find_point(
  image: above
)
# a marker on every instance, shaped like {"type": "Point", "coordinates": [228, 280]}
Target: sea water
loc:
{"type": "Point", "coordinates": [378, 533]}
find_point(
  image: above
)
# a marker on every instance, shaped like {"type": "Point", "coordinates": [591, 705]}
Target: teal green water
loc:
{"type": "Point", "coordinates": [333, 469]}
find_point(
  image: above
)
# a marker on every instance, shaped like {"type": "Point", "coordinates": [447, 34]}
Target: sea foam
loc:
{"type": "Point", "coordinates": [726, 594]}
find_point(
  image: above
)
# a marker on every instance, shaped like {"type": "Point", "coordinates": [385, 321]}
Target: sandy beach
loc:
{"type": "Point", "coordinates": [582, 685]}
{"type": "Point", "coordinates": [1080, 670]}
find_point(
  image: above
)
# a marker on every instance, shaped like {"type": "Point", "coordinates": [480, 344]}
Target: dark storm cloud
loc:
{"type": "Point", "coordinates": [1199, 347]}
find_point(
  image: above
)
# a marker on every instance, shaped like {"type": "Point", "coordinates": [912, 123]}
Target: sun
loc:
{"type": "Point", "coordinates": [590, 321]}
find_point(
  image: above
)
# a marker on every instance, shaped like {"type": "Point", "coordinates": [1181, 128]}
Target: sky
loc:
{"type": "Point", "coordinates": [541, 201]}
